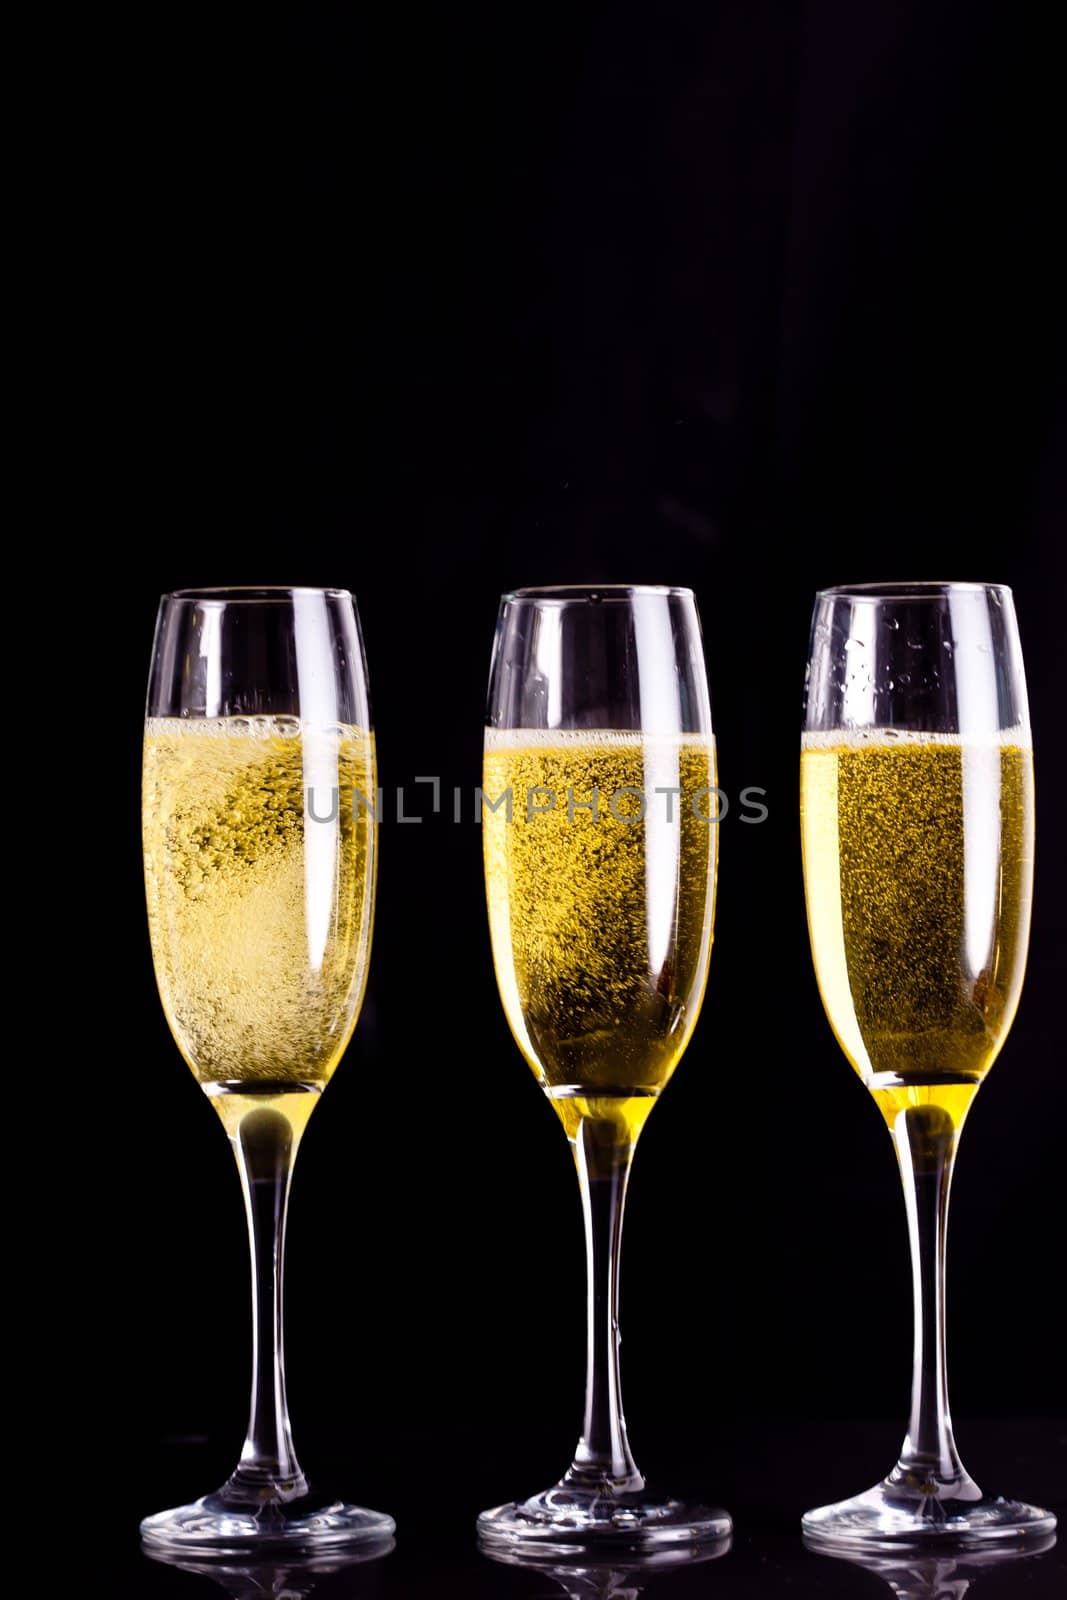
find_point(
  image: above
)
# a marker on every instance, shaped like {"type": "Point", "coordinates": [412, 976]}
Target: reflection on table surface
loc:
{"type": "Point", "coordinates": [292, 1579]}
{"type": "Point", "coordinates": [623, 1577]}
{"type": "Point", "coordinates": [753, 1566]}
{"type": "Point", "coordinates": [949, 1576]}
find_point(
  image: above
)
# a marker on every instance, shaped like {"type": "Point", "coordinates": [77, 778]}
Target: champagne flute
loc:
{"type": "Point", "coordinates": [600, 856]}
{"type": "Point", "coordinates": [917, 809]}
{"type": "Point", "coordinates": [260, 856]}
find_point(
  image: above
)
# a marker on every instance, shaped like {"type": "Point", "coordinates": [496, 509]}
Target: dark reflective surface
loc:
{"type": "Point", "coordinates": [436, 1482]}
{"type": "Point", "coordinates": [621, 1578]}
{"type": "Point", "coordinates": [944, 1577]}
{"type": "Point", "coordinates": [353, 1574]}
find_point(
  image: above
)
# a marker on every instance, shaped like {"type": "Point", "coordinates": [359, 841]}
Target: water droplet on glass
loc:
{"type": "Point", "coordinates": [894, 623]}
{"type": "Point", "coordinates": [890, 684]}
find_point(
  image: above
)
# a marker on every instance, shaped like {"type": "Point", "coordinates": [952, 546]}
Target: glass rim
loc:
{"type": "Point", "coordinates": [917, 589]}
{"type": "Point", "coordinates": [579, 593]}
{"type": "Point", "coordinates": [252, 594]}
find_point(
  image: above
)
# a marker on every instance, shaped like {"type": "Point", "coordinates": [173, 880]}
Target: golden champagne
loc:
{"type": "Point", "coordinates": [918, 863]}
{"type": "Point", "coordinates": [601, 924]}
{"type": "Point", "coordinates": [260, 915]}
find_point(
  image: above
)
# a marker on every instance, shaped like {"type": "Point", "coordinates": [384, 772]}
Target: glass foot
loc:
{"type": "Point", "coordinates": [891, 1517]}
{"type": "Point", "coordinates": [568, 1521]}
{"type": "Point", "coordinates": [222, 1525]}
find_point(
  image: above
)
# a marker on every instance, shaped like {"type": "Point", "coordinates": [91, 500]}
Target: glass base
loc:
{"type": "Point", "coordinates": [571, 1521]}
{"type": "Point", "coordinates": [889, 1517]}
{"type": "Point", "coordinates": [221, 1525]}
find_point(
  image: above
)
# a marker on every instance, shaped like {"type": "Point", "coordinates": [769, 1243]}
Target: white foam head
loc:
{"type": "Point", "coordinates": [605, 738]}
{"type": "Point", "coordinates": [887, 738]}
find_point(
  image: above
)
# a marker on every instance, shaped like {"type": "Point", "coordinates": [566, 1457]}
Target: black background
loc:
{"type": "Point", "coordinates": [429, 303]}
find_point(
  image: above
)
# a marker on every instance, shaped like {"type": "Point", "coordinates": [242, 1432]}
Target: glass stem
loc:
{"type": "Point", "coordinates": [265, 1149]}
{"type": "Point", "coordinates": [603, 1460]}
{"type": "Point", "coordinates": [925, 1138]}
